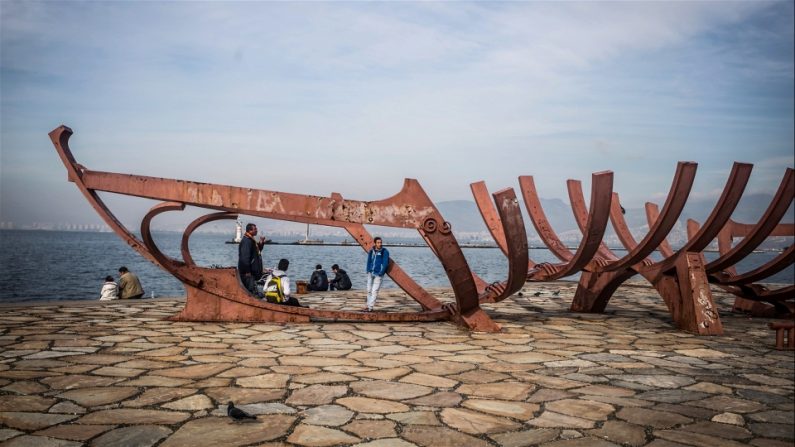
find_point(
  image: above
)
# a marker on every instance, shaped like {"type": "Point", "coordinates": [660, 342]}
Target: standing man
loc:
{"type": "Point", "coordinates": [377, 263]}
{"type": "Point", "coordinates": [249, 261]}
{"type": "Point", "coordinates": [129, 285]}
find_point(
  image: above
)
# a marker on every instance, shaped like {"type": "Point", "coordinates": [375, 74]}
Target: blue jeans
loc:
{"type": "Point", "coordinates": [373, 285]}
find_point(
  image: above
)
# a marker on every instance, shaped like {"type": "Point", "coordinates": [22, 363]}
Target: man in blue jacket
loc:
{"type": "Point", "coordinates": [377, 263]}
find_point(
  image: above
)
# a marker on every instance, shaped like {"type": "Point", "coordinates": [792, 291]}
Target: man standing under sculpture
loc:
{"type": "Point", "coordinates": [249, 261]}
{"type": "Point", "coordinates": [377, 263]}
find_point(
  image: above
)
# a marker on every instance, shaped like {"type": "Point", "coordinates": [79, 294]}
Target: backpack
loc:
{"type": "Point", "coordinates": [273, 289]}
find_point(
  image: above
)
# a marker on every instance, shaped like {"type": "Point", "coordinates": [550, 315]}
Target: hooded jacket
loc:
{"type": "Point", "coordinates": [377, 261]}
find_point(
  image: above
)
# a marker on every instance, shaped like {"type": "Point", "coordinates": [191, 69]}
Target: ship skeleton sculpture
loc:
{"type": "Point", "coordinates": [682, 278]}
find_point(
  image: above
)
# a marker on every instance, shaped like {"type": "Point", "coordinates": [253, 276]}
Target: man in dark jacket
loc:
{"type": "Point", "coordinates": [249, 261]}
{"type": "Point", "coordinates": [129, 285]}
{"type": "Point", "coordinates": [319, 280]}
{"type": "Point", "coordinates": [341, 280]}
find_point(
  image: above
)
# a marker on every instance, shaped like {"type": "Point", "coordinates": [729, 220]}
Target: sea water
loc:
{"type": "Point", "coordinates": [60, 265]}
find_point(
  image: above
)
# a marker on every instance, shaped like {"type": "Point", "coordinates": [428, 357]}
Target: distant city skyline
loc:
{"type": "Point", "coordinates": [352, 97]}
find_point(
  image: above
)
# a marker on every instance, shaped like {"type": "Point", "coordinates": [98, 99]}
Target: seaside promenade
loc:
{"type": "Point", "coordinates": [118, 374]}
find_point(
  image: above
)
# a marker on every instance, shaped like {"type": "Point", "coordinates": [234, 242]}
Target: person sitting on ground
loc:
{"type": "Point", "coordinates": [341, 279]}
{"type": "Point", "coordinates": [110, 290]}
{"type": "Point", "coordinates": [277, 286]}
{"type": "Point", "coordinates": [319, 280]}
{"type": "Point", "coordinates": [129, 285]}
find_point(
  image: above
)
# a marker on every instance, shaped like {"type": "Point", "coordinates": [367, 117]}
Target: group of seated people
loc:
{"type": "Point", "coordinates": [319, 281]}
{"type": "Point", "coordinates": [276, 284]}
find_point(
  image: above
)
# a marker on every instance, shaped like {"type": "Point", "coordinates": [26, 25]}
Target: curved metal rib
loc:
{"type": "Point", "coordinates": [539, 219]}
{"type": "Point", "coordinates": [770, 268]}
{"type": "Point", "coordinates": [60, 139]}
{"type": "Point", "coordinates": [601, 189]}
{"type": "Point", "coordinates": [729, 198]}
{"type": "Point", "coordinates": [652, 214]}
{"type": "Point", "coordinates": [783, 293]}
{"type": "Point", "coordinates": [184, 245]}
{"type": "Point", "coordinates": [580, 211]}
{"type": "Point", "coordinates": [489, 214]}
{"type": "Point", "coordinates": [778, 207]}
{"type": "Point", "coordinates": [146, 234]}
{"type": "Point", "coordinates": [513, 224]}
{"type": "Point", "coordinates": [677, 196]}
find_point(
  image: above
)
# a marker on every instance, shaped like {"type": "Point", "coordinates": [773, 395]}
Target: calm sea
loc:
{"type": "Point", "coordinates": [54, 265]}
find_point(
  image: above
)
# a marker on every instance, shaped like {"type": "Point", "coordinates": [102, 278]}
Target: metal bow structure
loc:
{"type": "Point", "coordinates": [217, 294]}
{"type": "Point", "coordinates": [682, 277]}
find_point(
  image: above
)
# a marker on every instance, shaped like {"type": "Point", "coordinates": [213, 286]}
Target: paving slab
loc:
{"type": "Point", "coordinates": [115, 373]}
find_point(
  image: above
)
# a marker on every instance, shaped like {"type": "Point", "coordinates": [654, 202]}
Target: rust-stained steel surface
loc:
{"type": "Point", "coordinates": [218, 294]}
{"type": "Point", "coordinates": [682, 276]}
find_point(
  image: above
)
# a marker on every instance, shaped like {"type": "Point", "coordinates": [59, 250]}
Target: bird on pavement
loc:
{"type": "Point", "coordinates": [236, 413]}
{"type": "Point", "coordinates": [537, 294]}
{"type": "Point", "coordinates": [556, 293]}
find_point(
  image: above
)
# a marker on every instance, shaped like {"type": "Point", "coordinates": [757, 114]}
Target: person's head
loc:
{"type": "Point", "coordinates": [122, 270]}
{"type": "Point", "coordinates": [283, 264]}
{"type": "Point", "coordinates": [335, 267]}
{"type": "Point", "coordinates": [318, 267]}
{"type": "Point", "coordinates": [378, 242]}
{"type": "Point", "coordinates": [251, 229]}
{"type": "Point", "coordinates": [108, 278]}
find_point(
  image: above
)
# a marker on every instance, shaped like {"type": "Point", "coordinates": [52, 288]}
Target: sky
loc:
{"type": "Point", "coordinates": [352, 97]}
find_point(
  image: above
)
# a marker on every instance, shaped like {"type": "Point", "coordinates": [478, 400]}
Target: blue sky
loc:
{"type": "Point", "coordinates": [353, 96]}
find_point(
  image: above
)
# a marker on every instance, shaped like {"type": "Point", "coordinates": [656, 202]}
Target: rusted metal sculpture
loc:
{"type": "Point", "coordinates": [218, 295]}
{"type": "Point", "coordinates": [682, 277]}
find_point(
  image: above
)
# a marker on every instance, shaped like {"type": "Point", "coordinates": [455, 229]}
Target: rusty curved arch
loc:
{"type": "Point", "coordinates": [674, 204]}
{"type": "Point", "coordinates": [533, 204]}
{"type": "Point", "coordinates": [513, 228]}
{"type": "Point", "coordinates": [595, 226]}
{"type": "Point", "coordinates": [577, 200]}
{"type": "Point", "coordinates": [60, 138]}
{"type": "Point", "coordinates": [184, 244]}
{"type": "Point", "coordinates": [489, 214]}
{"type": "Point", "coordinates": [723, 209]}
{"type": "Point", "coordinates": [766, 225]}
{"type": "Point", "coordinates": [766, 270]}
{"type": "Point", "coordinates": [146, 233]}
{"type": "Point", "coordinates": [652, 214]}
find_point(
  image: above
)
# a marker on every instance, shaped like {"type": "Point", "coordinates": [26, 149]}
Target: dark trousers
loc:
{"type": "Point", "coordinates": [288, 302]}
{"type": "Point", "coordinates": [251, 284]}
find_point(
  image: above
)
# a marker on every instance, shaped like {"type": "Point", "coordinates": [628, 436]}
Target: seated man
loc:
{"type": "Point", "coordinates": [319, 280]}
{"type": "Point", "coordinates": [277, 286]}
{"type": "Point", "coordinates": [341, 280]}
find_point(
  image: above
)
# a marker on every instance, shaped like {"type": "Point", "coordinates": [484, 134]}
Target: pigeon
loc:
{"type": "Point", "coordinates": [556, 293]}
{"type": "Point", "coordinates": [537, 294]}
{"type": "Point", "coordinates": [236, 413]}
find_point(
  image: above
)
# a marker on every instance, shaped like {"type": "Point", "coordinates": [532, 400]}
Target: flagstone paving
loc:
{"type": "Point", "coordinates": [117, 373]}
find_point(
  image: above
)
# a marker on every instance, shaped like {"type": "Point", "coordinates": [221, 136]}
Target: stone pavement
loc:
{"type": "Point", "coordinates": [117, 374]}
